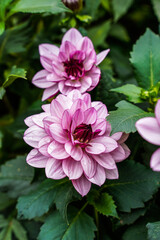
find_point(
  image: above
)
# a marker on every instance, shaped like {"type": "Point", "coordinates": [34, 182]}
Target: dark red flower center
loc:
{"type": "Point", "coordinates": [74, 68]}
{"type": "Point", "coordinates": [83, 133]}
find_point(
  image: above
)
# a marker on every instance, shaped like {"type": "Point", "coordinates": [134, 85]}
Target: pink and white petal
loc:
{"type": "Point", "coordinates": [95, 148]}
{"type": "Point", "coordinates": [109, 143]}
{"type": "Point", "coordinates": [100, 124]}
{"type": "Point", "coordinates": [95, 75]}
{"type": "Point", "coordinates": [126, 149]}
{"type": "Point", "coordinates": [82, 185]}
{"type": "Point", "coordinates": [73, 36]}
{"type": "Point", "coordinates": [105, 160]}
{"type": "Point", "coordinates": [46, 108]}
{"type": "Point", "coordinates": [157, 112]}
{"type": "Point", "coordinates": [65, 101]}
{"type": "Point", "coordinates": [112, 173]}
{"type": "Point", "coordinates": [86, 82]}
{"type": "Point", "coordinates": [57, 150]}
{"type": "Point", "coordinates": [119, 154]}
{"type": "Point", "coordinates": [38, 119]}
{"type": "Point", "coordinates": [72, 169]}
{"type": "Point", "coordinates": [149, 129]}
{"type": "Point", "coordinates": [74, 95]}
{"type": "Point", "coordinates": [47, 64]}
{"type": "Point", "coordinates": [77, 118]}
{"type": "Point", "coordinates": [50, 92]}
{"type": "Point", "coordinates": [101, 109]}
{"type": "Point", "coordinates": [58, 133]}
{"type": "Point", "coordinates": [54, 169]}
{"type": "Point", "coordinates": [48, 50]}
{"type": "Point", "coordinates": [116, 136]}
{"type": "Point", "coordinates": [123, 138]}
{"type": "Point", "coordinates": [36, 159]}
{"type": "Point", "coordinates": [74, 151]}
{"type": "Point", "coordinates": [67, 48]}
{"type": "Point", "coordinates": [56, 109]}
{"type": "Point", "coordinates": [90, 60]}
{"type": "Point", "coordinates": [40, 79]}
{"type": "Point", "coordinates": [66, 120]}
{"type": "Point", "coordinates": [108, 130]}
{"type": "Point", "coordinates": [43, 146]}
{"type": "Point", "coordinates": [99, 177]}
{"type": "Point", "coordinates": [64, 89]}
{"type": "Point", "coordinates": [101, 56]}
{"type": "Point", "coordinates": [33, 135]}
{"type": "Point", "coordinates": [155, 160]}
{"type": "Point", "coordinates": [77, 104]}
{"type": "Point", "coordinates": [86, 97]}
{"type": "Point", "coordinates": [73, 83]}
{"type": "Point", "coordinates": [49, 121]}
{"type": "Point", "coordinates": [53, 77]}
{"type": "Point", "coordinates": [85, 45]}
{"type": "Point", "coordinates": [28, 121]}
{"type": "Point", "coordinates": [88, 165]}
{"type": "Point", "coordinates": [90, 116]}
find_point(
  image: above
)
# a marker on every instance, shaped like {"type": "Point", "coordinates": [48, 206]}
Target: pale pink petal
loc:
{"type": "Point", "coordinates": [74, 84]}
{"type": "Point", "coordinates": [58, 133]}
{"type": "Point", "coordinates": [36, 159]}
{"type": "Point", "coordinates": [28, 121]}
{"type": "Point", "coordinates": [118, 154]}
{"type": "Point", "coordinates": [95, 75]}
{"type": "Point", "coordinates": [157, 112]}
{"type": "Point", "coordinates": [105, 160]}
{"type": "Point", "coordinates": [58, 69]}
{"type": "Point", "coordinates": [33, 135]}
{"type": "Point", "coordinates": [46, 108]}
{"type": "Point", "coordinates": [101, 109]}
{"type": "Point", "coordinates": [74, 95]}
{"type": "Point", "coordinates": [100, 124]}
{"type": "Point", "coordinates": [72, 169]}
{"type": "Point", "coordinates": [48, 50]}
{"type": "Point", "coordinates": [50, 92]}
{"type": "Point", "coordinates": [77, 118]}
{"type": "Point", "coordinates": [54, 169]}
{"type": "Point", "coordinates": [101, 56]}
{"type": "Point", "coordinates": [63, 88]}
{"type": "Point", "coordinates": [149, 129]}
{"type": "Point", "coordinates": [56, 109]}
{"type": "Point", "coordinates": [46, 63]}
{"type": "Point", "coordinates": [73, 36]}
{"type": "Point", "coordinates": [87, 99]}
{"type": "Point", "coordinates": [112, 173]}
{"type": "Point", "coordinates": [85, 84]}
{"type": "Point", "coordinates": [95, 148]}
{"type": "Point", "coordinates": [99, 177]}
{"type": "Point", "coordinates": [74, 151]}
{"type": "Point", "coordinates": [78, 104]}
{"type": "Point", "coordinates": [123, 138]}
{"type": "Point", "coordinates": [126, 149]}
{"type": "Point", "coordinates": [49, 121]}
{"type": "Point", "coordinates": [116, 136]}
{"type": "Point", "coordinates": [57, 150]}
{"type": "Point", "coordinates": [88, 165]}
{"type": "Point", "coordinates": [67, 47]}
{"type": "Point", "coordinates": [38, 119]}
{"type": "Point", "coordinates": [66, 120]}
{"type": "Point", "coordinates": [65, 101]}
{"type": "Point", "coordinates": [40, 79]}
{"type": "Point", "coordinates": [155, 160]}
{"type": "Point", "coordinates": [86, 45]}
{"type": "Point", "coordinates": [90, 60]}
{"type": "Point", "coordinates": [53, 77]}
{"type": "Point", "coordinates": [90, 116]}
{"type": "Point", "coordinates": [109, 143]}
{"type": "Point", "coordinates": [82, 185]}
{"type": "Point", "coordinates": [43, 145]}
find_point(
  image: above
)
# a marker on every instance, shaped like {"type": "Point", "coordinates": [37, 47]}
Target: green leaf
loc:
{"type": "Point", "coordinates": [2, 27]}
{"type": "Point", "coordinates": [2, 92]}
{"type": "Point", "coordinates": [103, 203]}
{"type": "Point", "coordinates": [131, 91]}
{"type": "Point", "coordinates": [16, 175]}
{"type": "Point", "coordinates": [136, 185]}
{"type": "Point", "coordinates": [18, 230]}
{"type": "Point", "coordinates": [13, 75]}
{"type": "Point", "coordinates": [131, 217]}
{"type": "Point", "coordinates": [92, 6]}
{"type": "Point", "coordinates": [120, 7]}
{"type": "Point", "coordinates": [80, 227]}
{"type": "Point", "coordinates": [145, 58]}
{"type": "Point", "coordinates": [137, 231]}
{"type": "Point", "coordinates": [125, 117]}
{"type": "Point", "coordinates": [99, 33]}
{"type": "Point", "coordinates": [6, 233]}
{"type": "Point", "coordinates": [41, 6]}
{"type": "Point", "coordinates": [153, 231]}
{"type": "Point", "coordinates": [5, 201]}
{"type": "Point", "coordinates": [156, 7]}
{"type": "Point", "coordinates": [3, 221]}
{"type": "Point", "coordinates": [37, 203]}
{"type": "Point", "coordinates": [3, 6]}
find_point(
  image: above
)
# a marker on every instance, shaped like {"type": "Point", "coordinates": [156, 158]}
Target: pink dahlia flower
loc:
{"type": "Point", "coordinates": [72, 138]}
{"type": "Point", "coordinates": [149, 129]}
{"type": "Point", "coordinates": [72, 66]}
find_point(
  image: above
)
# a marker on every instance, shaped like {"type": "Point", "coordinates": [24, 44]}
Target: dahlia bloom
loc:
{"type": "Point", "coordinates": [74, 5]}
{"type": "Point", "coordinates": [72, 138]}
{"type": "Point", "coordinates": [72, 66]}
{"type": "Point", "coordinates": [149, 129]}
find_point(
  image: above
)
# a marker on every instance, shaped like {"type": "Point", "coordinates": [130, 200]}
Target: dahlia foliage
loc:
{"type": "Point", "coordinates": [72, 66]}
{"type": "Point", "coordinates": [72, 138]}
{"type": "Point", "coordinates": [149, 129]}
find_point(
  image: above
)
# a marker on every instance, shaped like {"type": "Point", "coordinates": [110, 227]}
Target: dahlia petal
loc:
{"type": "Point", "coordinates": [109, 143]}
{"type": "Point", "coordinates": [46, 63]}
{"type": "Point", "coordinates": [95, 148]}
{"type": "Point", "coordinates": [58, 69]}
{"type": "Point", "coordinates": [64, 89]}
{"type": "Point", "coordinates": [38, 119]}
{"type": "Point", "coordinates": [33, 135]}
{"type": "Point", "coordinates": [126, 149]}
{"type": "Point", "coordinates": [74, 151]}
{"type": "Point", "coordinates": [73, 36]}
{"type": "Point", "coordinates": [48, 50]}
{"type": "Point", "coordinates": [78, 104]}
{"type": "Point", "coordinates": [67, 48]}
{"type": "Point", "coordinates": [54, 169]}
{"type": "Point", "coordinates": [50, 92]}
{"type": "Point", "coordinates": [43, 146]}
{"type": "Point", "coordinates": [28, 121]}
{"type": "Point", "coordinates": [157, 112]}
{"type": "Point", "coordinates": [90, 116]}
{"type": "Point", "coordinates": [82, 185]}
{"type": "Point", "coordinates": [101, 56]}
{"type": "Point", "coordinates": [47, 121]}
{"type": "Point", "coordinates": [64, 101]}
{"type": "Point", "coordinates": [88, 165]}
{"type": "Point", "coordinates": [57, 150]}
{"type": "Point", "coordinates": [53, 77]}
{"type": "Point", "coordinates": [72, 169]}
{"type": "Point", "coordinates": [155, 160]}
{"type": "Point", "coordinates": [87, 99]}
{"type": "Point", "coordinates": [116, 136]}
{"type": "Point", "coordinates": [86, 45]}
{"type": "Point", "coordinates": [71, 83]}
{"type": "Point", "coordinates": [77, 118]}
{"type": "Point", "coordinates": [85, 84]}
{"type": "Point", "coordinates": [56, 109]}
{"type": "Point", "coordinates": [58, 133]}
{"type": "Point", "coordinates": [40, 79]}
{"type": "Point", "coordinates": [123, 138]}
{"type": "Point", "coordinates": [74, 95]}
{"type": "Point", "coordinates": [95, 75]}
{"type": "Point", "coordinates": [90, 60]}
{"type": "Point", "coordinates": [118, 154]}
{"type": "Point", "coordinates": [99, 177]}
{"type": "Point", "coordinates": [105, 160]}
{"type": "Point", "coordinates": [46, 108]}
{"type": "Point", "coordinates": [101, 109]}
{"type": "Point", "coordinates": [149, 129]}
{"type": "Point", "coordinates": [100, 124]}
{"type": "Point", "coordinates": [36, 159]}
{"type": "Point", "coordinates": [112, 173]}
{"type": "Point", "coordinates": [66, 120]}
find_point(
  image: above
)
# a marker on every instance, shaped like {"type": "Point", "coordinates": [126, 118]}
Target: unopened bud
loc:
{"type": "Point", "coordinates": [74, 5]}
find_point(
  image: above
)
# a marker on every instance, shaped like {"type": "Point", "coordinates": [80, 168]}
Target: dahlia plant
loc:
{"type": "Point", "coordinates": [72, 66]}
{"type": "Point", "coordinates": [72, 138]}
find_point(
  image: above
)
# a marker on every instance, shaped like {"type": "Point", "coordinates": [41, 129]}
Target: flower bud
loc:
{"type": "Point", "coordinates": [74, 5]}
